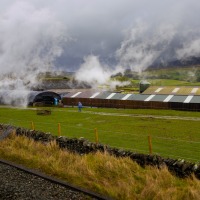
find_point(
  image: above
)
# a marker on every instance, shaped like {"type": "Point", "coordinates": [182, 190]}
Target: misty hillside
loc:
{"type": "Point", "coordinates": [173, 75]}
{"type": "Point", "coordinates": [187, 73]}
{"type": "Point", "coordinates": [189, 62]}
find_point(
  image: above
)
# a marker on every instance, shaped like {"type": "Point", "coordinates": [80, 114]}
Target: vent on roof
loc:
{"type": "Point", "coordinates": [144, 85]}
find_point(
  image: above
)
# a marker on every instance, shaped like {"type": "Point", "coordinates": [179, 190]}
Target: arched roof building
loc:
{"type": "Point", "coordinates": [25, 97]}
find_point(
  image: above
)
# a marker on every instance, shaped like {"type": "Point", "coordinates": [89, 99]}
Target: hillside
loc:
{"type": "Point", "coordinates": [170, 76]}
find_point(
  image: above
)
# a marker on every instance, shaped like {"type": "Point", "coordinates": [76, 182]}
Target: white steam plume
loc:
{"type": "Point", "coordinates": [190, 45]}
{"type": "Point", "coordinates": [30, 40]}
{"type": "Point", "coordinates": [14, 97]}
{"type": "Point", "coordinates": [144, 44]}
{"type": "Point", "coordinates": [95, 73]}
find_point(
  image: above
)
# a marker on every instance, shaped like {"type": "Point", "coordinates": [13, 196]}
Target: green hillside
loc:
{"type": "Point", "coordinates": [176, 76]}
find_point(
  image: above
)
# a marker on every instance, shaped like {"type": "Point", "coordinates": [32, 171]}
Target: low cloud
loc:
{"type": "Point", "coordinates": [190, 46]}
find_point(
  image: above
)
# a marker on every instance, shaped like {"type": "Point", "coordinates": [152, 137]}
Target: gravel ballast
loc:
{"type": "Point", "coordinates": [19, 185]}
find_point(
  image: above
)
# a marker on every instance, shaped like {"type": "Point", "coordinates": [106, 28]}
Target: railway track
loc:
{"type": "Point", "coordinates": [18, 182]}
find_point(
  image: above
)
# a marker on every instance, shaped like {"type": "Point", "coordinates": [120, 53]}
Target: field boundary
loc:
{"type": "Point", "coordinates": [178, 167]}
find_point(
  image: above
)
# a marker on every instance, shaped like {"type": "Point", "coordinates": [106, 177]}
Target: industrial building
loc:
{"type": "Point", "coordinates": [156, 97]}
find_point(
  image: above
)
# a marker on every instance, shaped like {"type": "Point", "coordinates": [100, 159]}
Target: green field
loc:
{"type": "Point", "coordinates": [174, 133]}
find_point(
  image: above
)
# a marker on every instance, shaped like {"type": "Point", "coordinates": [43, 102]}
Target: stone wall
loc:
{"type": "Point", "coordinates": [178, 167]}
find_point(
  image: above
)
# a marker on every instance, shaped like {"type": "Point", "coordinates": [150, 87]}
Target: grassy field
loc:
{"type": "Point", "coordinates": [118, 178]}
{"type": "Point", "coordinates": [174, 133]}
{"type": "Point", "coordinates": [190, 73]}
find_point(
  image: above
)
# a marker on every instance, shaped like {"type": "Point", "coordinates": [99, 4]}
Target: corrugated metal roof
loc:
{"type": "Point", "coordinates": [188, 99]}
{"type": "Point", "coordinates": [94, 95]}
{"type": "Point", "coordinates": [103, 95]}
{"type": "Point", "coordinates": [69, 94]}
{"type": "Point", "coordinates": [126, 97]}
{"type": "Point", "coordinates": [139, 97]}
{"type": "Point", "coordinates": [110, 95]}
{"type": "Point", "coordinates": [85, 94]}
{"type": "Point", "coordinates": [197, 92]}
{"type": "Point", "coordinates": [185, 91]}
{"type": "Point", "coordinates": [118, 96]}
{"type": "Point", "coordinates": [175, 90]}
{"type": "Point", "coordinates": [76, 94]}
{"type": "Point", "coordinates": [173, 97]}
{"type": "Point", "coordinates": [159, 97]}
{"type": "Point", "coordinates": [150, 97]}
{"type": "Point", "coordinates": [150, 90]}
{"type": "Point", "coordinates": [168, 98]}
{"type": "Point", "coordinates": [195, 99]}
{"type": "Point", "coordinates": [177, 98]}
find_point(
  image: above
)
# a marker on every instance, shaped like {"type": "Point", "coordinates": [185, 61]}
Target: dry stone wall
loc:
{"type": "Point", "coordinates": [178, 167]}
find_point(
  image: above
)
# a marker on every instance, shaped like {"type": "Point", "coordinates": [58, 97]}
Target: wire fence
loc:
{"type": "Point", "coordinates": [163, 146]}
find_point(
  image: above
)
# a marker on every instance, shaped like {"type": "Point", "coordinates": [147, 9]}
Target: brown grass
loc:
{"type": "Point", "coordinates": [119, 178]}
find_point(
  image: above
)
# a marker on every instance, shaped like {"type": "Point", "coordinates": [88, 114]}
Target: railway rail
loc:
{"type": "Point", "coordinates": [19, 182]}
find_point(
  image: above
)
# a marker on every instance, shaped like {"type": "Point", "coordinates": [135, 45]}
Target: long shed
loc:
{"type": "Point", "coordinates": [157, 97]}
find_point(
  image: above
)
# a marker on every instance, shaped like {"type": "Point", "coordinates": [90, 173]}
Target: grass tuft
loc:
{"type": "Point", "coordinates": [119, 178]}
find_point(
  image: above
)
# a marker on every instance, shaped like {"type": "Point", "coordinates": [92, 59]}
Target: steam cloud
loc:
{"type": "Point", "coordinates": [157, 33]}
{"type": "Point", "coordinates": [30, 40]}
{"type": "Point", "coordinates": [144, 45]}
{"type": "Point", "coordinates": [127, 33]}
{"type": "Point", "coordinates": [190, 46]}
{"type": "Point", "coordinates": [95, 73]}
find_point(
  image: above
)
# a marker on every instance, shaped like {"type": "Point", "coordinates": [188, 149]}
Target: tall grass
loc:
{"type": "Point", "coordinates": [119, 178]}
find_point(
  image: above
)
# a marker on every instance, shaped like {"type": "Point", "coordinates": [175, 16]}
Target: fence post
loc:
{"type": "Point", "coordinates": [32, 126]}
{"type": "Point", "coordinates": [150, 144]}
{"type": "Point", "coordinates": [96, 136]}
{"type": "Point", "coordinates": [14, 132]}
{"type": "Point", "coordinates": [59, 130]}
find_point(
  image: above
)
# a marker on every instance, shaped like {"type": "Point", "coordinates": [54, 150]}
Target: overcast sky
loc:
{"type": "Point", "coordinates": [116, 31]}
